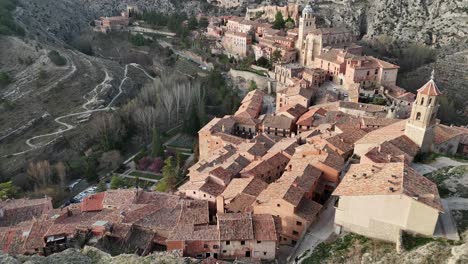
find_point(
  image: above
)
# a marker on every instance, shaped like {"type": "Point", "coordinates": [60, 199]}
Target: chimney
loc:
{"type": "Point", "coordinates": [223, 129]}
{"type": "Point", "coordinates": [220, 204]}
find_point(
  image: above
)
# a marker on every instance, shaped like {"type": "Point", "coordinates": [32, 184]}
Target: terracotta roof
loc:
{"type": "Point", "coordinates": [384, 133]}
{"type": "Point", "coordinates": [92, 202]}
{"type": "Point", "coordinates": [251, 186]}
{"type": "Point", "coordinates": [294, 111]}
{"type": "Point", "coordinates": [235, 226]}
{"type": "Point", "coordinates": [362, 107]}
{"type": "Point", "coordinates": [212, 188]}
{"type": "Point", "coordinates": [389, 179]}
{"type": "Point", "coordinates": [443, 133]}
{"type": "Point", "coordinates": [307, 119]}
{"type": "Point", "coordinates": [380, 122]}
{"type": "Point", "coordinates": [308, 209]}
{"type": "Point", "coordinates": [277, 121]}
{"type": "Point", "coordinates": [241, 203]}
{"type": "Point", "coordinates": [19, 210]}
{"type": "Point", "coordinates": [119, 198]}
{"type": "Point", "coordinates": [264, 227]}
{"type": "Point", "coordinates": [430, 88]}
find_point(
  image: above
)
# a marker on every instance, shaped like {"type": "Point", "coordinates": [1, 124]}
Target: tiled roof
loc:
{"type": "Point", "coordinates": [308, 209]}
{"type": "Point", "coordinates": [19, 210]}
{"type": "Point", "coordinates": [307, 118]}
{"type": "Point", "coordinates": [241, 203]}
{"type": "Point", "coordinates": [235, 226]}
{"type": "Point", "coordinates": [362, 107]}
{"type": "Point", "coordinates": [388, 179]}
{"type": "Point", "coordinates": [380, 122]}
{"type": "Point", "coordinates": [384, 133]}
{"type": "Point", "coordinates": [294, 110]}
{"type": "Point", "coordinates": [212, 188]}
{"type": "Point", "coordinates": [444, 133]}
{"type": "Point", "coordinates": [92, 202]}
{"type": "Point", "coordinates": [118, 198]}
{"type": "Point", "coordinates": [430, 88]}
{"type": "Point", "coordinates": [252, 186]}
{"type": "Point", "coordinates": [264, 227]}
{"type": "Point", "coordinates": [277, 121]}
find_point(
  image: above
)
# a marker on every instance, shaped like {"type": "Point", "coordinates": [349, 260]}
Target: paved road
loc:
{"type": "Point", "coordinates": [457, 203]}
{"type": "Point", "coordinates": [318, 232]}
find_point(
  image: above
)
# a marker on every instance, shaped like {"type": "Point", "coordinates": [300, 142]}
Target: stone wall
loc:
{"type": "Point", "coordinates": [261, 81]}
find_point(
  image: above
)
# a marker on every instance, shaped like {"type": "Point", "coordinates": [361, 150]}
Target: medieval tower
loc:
{"type": "Point", "coordinates": [420, 125]}
{"type": "Point", "coordinates": [306, 25]}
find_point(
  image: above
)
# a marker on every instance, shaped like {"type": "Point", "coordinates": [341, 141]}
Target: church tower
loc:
{"type": "Point", "coordinates": [420, 125]}
{"type": "Point", "coordinates": [306, 25]}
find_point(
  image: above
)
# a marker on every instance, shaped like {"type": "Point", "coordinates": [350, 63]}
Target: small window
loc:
{"type": "Point", "coordinates": [224, 251]}
{"type": "Point", "coordinates": [259, 242]}
{"type": "Point", "coordinates": [298, 223]}
{"type": "Point", "coordinates": [204, 195]}
{"type": "Point", "coordinates": [418, 116]}
{"type": "Point", "coordinates": [194, 192]}
{"type": "Point", "coordinates": [278, 205]}
{"type": "Point", "coordinates": [295, 232]}
{"type": "Point", "coordinates": [368, 72]}
{"type": "Point", "coordinates": [264, 253]}
{"type": "Point", "coordinates": [215, 246]}
{"type": "Point", "coordinates": [422, 101]}
{"type": "Point", "coordinates": [228, 242]}
{"type": "Point", "coordinates": [205, 246]}
{"type": "Point", "coordinates": [242, 243]}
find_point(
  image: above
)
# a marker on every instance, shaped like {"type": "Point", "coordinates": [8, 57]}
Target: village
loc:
{"type": "Point", "coordinates": [337, 144]}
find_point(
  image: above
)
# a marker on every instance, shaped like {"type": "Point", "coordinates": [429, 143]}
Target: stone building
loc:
{"type": "Point", "coordinates": [237, 44]}
{"type": "Point", "coordinates": [381, 200]}
{"type": "Point", "coordinates": [115, 23]}
{"type": "Point", "coordinates": [420, 125]}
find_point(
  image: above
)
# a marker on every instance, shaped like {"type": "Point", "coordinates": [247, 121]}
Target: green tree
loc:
{"type": "Point", "coordinates": [157, 149]}
{"type": "Point", "coordinates": [169, 173]}
{"type": "Point", "coordinates": [90, 172]}
{"type": "Point", "coordinates": [56, 58]}
{"type": "Point", "coordinates": [279, 22]}
{"type": "Point", "coordinates": [263, 62]}
{"type": "Point", "coordinates": [289, 25]}
{"type": "Point", "coordinates": [117, 182]}
{"type": "Point", "coordinates": [276, 57]}
{"type": "Point", "coordinates": [101, 187]}
{"type": "Point", "coordinates": [7, 190]}
{"type": "Point", "coordinates": [192, 23]}
{"type": "Point", "coordinates": [252, 85]}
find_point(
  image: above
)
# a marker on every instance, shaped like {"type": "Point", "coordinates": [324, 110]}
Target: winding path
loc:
{"type": "Point", "coordinates": [94, 97]}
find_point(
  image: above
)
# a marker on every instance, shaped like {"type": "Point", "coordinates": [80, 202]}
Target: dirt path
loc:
{"type": "Point", "coordinates": [88, 111]}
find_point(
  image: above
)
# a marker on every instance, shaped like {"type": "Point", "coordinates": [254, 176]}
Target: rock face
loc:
{"type": "Point", "coordinates": [433, 22]}
{"type": "Point", "coordinates": [93, 255]}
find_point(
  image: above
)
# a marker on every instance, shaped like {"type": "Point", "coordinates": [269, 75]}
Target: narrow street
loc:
{"type": "Point", "coordinates": [318, 232]}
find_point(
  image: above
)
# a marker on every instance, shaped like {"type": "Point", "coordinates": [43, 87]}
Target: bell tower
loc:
{"type": "Point", "coordinates": [306, 25]}
{"type": "Point", "coordinates": [420, 125]}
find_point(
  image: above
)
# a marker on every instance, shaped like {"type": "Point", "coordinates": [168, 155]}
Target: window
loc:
{"type": "Point", "coordinates": [368, 72]}
{"type": "Point", "coordinates": [228, 242]}
{"type": "Point", "coordinates": [264, 253]}
{"type": "Point", "coordinates": [278, 205]}
{"type": "Point", "coordinates": [194, 192]}
{"type": "Point", "coordinates": [205, 246]}
{"type": "Point", "coordinates": [259, 242]}
{"type": "Point", "coordinates": [430, 100]}
{"type": "Point", "coordinates": [418, 116]}
{"type": "Point", "coordinates": [224, 251]}
{"type": "Point", "coordinates": [215, 246]}
{"type": "Point", "coordinates": [204, 195]}
{"type": "Point", "coordinates": [242, 243]}
{"type": "Point", "coordinates": [376, 71]}
{"type": "Point", "coordinates": [422, 101]}
{"type": "Point", "coordinates": [295, 232]}
{"type": "Point", "coordinates": [298, 223]}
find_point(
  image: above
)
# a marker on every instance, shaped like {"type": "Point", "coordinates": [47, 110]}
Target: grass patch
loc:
{"type": "Point", "coordinates": [411, 242]}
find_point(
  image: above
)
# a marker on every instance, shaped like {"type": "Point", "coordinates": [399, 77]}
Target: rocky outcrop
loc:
{"type": "Point", "coordinates": [93, 255]}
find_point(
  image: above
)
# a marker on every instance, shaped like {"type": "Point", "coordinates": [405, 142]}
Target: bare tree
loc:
{"type": "Point", "coordinates": [146, 119]}
{"type": "Point", "coordinates": [108, 128]}
{"type": "Point", "coordinates": [61, 172]}
{"type": "Point", "coordinates": [40, 172]}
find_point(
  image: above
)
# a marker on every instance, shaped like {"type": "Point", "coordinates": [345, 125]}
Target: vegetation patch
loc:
{"type": "Point", "coordinates": [449, 180]}
{"type": "Point", "coordinates": [56, 58]}
{"type": "Point", "coordinates": [4, 79]}
{"type": "Point", "coordinates": [8, 25]}
{"type": "Point", "coordinates": [146, 175]}
{"type": "Point", "coordinates": [345, 246]}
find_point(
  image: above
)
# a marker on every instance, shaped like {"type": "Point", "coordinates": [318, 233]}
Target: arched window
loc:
{"type": "Point", "coordinates": [430, 101]}
{"type": "Point", "coordinates": [422, 101]}
{"type": "Point", "coordinates": [418, 116]}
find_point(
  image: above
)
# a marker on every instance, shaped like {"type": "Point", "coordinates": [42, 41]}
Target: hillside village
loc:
{"type": "Point", "coordinates": [265, 176]}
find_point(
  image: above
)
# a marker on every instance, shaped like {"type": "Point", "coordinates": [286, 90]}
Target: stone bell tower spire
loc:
{"type": "Point", "coordinates": [420, 125]}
